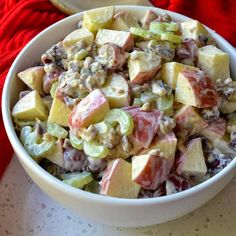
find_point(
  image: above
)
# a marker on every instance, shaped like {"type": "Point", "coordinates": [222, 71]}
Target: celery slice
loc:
{"type": "Point", "coordinates": [161, 27]}
{"type": "Point", "coordinates": [79, 56]}
{"type": "Point", "coordinates": [95, 150]}
{"type": "Point", "coordinates": [56, 130]}
{"type": "Point", "coordinates": [78, 179]}
{"type": "Point", "coordinates": [76, 142]}
{"type": "Point", "coordinates": [171, 37]}
{"type": "Point", "coordinates": [124, 119]}
{"type": "Point", "coordinates": [143, 33]}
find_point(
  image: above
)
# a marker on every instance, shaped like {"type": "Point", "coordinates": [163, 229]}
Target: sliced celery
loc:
{"type": "Point", "coordinates": [172, 26]}
{"type": "Point", "coordinates": [95, 150]}
{"type": "Point", "coordinates": [78, 179]}
{"type": "Point", "coordinates": [124, 119]}
{"type": "Point", "coordinates": [161, 27]}
{"type": "Point", "coordinates": [56, 130]}
{"type": "Point", "coordinates": [76, 142]}
{"type": "Point", "coordinates": [93, 187]}
{"type": "Point", "coordinates": [143, 33]}
{"type": "Point", "coordinates": [171, 37]}
{"type": "Point", "coordinates": [79, 56]}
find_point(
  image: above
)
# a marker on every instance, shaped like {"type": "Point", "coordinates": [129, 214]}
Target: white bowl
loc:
{"type": "Point", "coordinates": [107, 210]}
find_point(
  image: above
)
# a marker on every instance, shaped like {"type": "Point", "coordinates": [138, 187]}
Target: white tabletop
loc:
{"type": "Point", "coordinates": [25, 210]}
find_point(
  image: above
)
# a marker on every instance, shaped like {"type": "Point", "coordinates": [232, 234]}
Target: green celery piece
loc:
{"type": "Point", "coordinates": [172, 26]}
{"type": "Point", "coordinates": [78, 179]}
{"type": "Point", "coordinates": [76, 142]}
{"type": "Point", "coordinates": [163, 27]}
{"type": "Point", "coordinates": [124, 119]}
{"type": "Point", "coordinates": [25, 132]}
{"type": "Point", "coordinates": [56, 131]}
{"type": "Point", "coordinates": [165, 103]}
{"type": "Point", "coordinates": [22, 123]}
{"type": "Point", "coordinates": [93, 187]}
{"type": "Point", "coordinates": [81, 55]}
{"type": "Point", "coordinates": [143, 33]}
{"type": "Point", "coordinates": [102, 127]}
{"type": "Point", "coordinates": [95, 150]}
{"type": "Point", "coordinates": [54, 89]}
{"type": "Point", "coordinates": [169, 36]}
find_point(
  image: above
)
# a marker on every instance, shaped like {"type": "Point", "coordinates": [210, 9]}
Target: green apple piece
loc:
{"type": "Point", "coordinates": [214, 62]}
{"type": "Point", "coordinates": [191, 90]}
{"type": "Point", "coordinates": [56, 155]}
{"type": "Point", "coordinates": [124, 119]}
{"type": "Point", "coordinates": [92, 109]}
{"type": "Point", "coordinates": [170, 72]}
{"type": "Point", "coordinates": [78, 35]}
{"type": "Point", "coordinates": [56, 130]}
{"type": "Point", "coordinates": [95, 150]}
{"type": "Point", "coordinates": [143, 66]}
{"type": "Point", "coordinates": [195, 30]}
{"type": "Point", "coordinates": [76, 142]}
{"type": "Point", "coordinates": [29, 107]}
{"type": "Point", "coordinates": [33, 78]}
{"type": "Point", "coordinates": [166, 144]}
{"type": "Point", "coordinates": [35, 145]}
{"type": "Point", "coordinates": [122, 39]}
{"type": "Point", "coordinates": [98, 18]}
{"type": "Point", "coordinates": [123, 21]}
{"type": "Point", "coordinates": [192, 161]}
{"type": "Point", "coordinates": [77, 180]}
{"type": "Point", "coordinates": [173, 38]}
{"type": "Point", "coordinates": [117, 180]}
{"type": "Point", "coordinates": [59, 112]}
{"type": "Point", "coordinates": [116, 90]}
{"type": "Point", "coordinates": [222, 145]}
{"type": "Point", "coordinates": [145, 34]}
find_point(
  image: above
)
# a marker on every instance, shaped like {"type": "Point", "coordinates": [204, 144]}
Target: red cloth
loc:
{"type": "Point", "coordinates": [21, 20]}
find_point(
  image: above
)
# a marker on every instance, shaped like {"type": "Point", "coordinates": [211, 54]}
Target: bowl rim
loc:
{"type": "Point", "coordinates": [68, 190]}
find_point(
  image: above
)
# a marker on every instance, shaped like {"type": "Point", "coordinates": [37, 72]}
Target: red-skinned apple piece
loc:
{"type": "Point", "coordinates": [196, 89]}
{"type": "Point", "coordinates": [91, 109]}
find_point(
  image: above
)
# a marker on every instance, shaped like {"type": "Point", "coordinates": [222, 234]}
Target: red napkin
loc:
{"type": "Point", "coordinates": [21, 20]}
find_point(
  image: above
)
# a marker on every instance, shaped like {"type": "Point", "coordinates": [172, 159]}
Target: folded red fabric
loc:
{"type": "Point", "coordinates": [21, 20]}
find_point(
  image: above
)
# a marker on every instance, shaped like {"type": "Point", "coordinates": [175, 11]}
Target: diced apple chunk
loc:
{"type": "Point", "coordinates": [195, 89]}
{"type": "Point", "coordinates": [117, 180]}
{"type": "Point", "coordinates": [195, 30]}
{"type": "Point", "coordinates": [166, 144]}
{"type": "Point", "coordinates": [33, 78]}
{"type": "Point", "coordinates": [170, 72]}
{"type": "Point", "coordinates": [116, 90]}
{"type": "Point", "coordinates": [142, 66]}
{"type": "Point", "coordinates": [122, 39]}
{"type": "Point", "coordinates": [214, 62]}
{"type": "Point", "coordinates": [77, 35]}
{"type": "Point", "coordinates": [92, 109]}
{"type": "Point", "coordinates": [188, 122]}
{"type": "Point", "coordinates": [123, 21]}
{"type": "Point", "coordinates": [59, 112]}
{"type": "Point", "coordinates": [150, 170]}
{"type": "Point", "coordinates": [29, 107]}
{"type": "Point", "coordinates": [99, 18]}
{"type": "Point", "coordinates": [192, 162]}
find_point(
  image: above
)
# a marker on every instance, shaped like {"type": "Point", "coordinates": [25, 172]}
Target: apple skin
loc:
{"type": "Point", "coordinates": [146, 125]}
{"type": "Point", "coordinates": [150, 170]}
{"type": "Point", "coordinates": [192, 162]}
{"type": "Point", "coordinates": [215, 129]}
{"type": "Point", "coordinates": [186, 119]}
{"type": "Point", "coordinates": [195, 88]}
{"type": "Point", "coordinates": [91, 109]}
{"type": "Point", "coordinates": [167, 145]}
{"type": "Point", "coordinates": [117, 180]}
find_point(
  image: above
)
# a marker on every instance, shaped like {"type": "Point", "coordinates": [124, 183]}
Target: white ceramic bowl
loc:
{"type": "Point", "coordinates": [113, 211]}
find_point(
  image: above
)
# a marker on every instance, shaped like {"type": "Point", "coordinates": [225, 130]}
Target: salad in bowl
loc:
{"type": "Point", "coordinates": [130, 107]}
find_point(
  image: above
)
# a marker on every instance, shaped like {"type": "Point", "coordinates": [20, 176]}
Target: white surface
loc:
{"type": "Point", "coordinates": [128, 212]}
{"type": "Point", "coordinates": [25, 210]}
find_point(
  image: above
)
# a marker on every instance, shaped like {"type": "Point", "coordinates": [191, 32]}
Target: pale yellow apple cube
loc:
{"type": "Point", "coordinates": [29, 107]}
{"type": "Point", "coordinates": [77, 35]}
{"type": "Point", "coordinates": [170, 72]}
{"type": "Point", "coordinates": [194, 29]}
{"type": "Point", "coordinates": [116, 90]}
{"type": "Point", "coordinates": [33, 78]}
{"type": "Point", "coordinates": [59, 112]}
{"type": "Point", "coordinates": [214, 62]}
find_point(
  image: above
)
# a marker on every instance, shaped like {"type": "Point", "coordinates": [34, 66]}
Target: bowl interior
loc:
{"type": "Point", "coordinates": [32, 53]}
